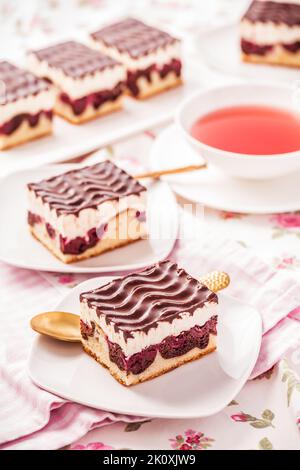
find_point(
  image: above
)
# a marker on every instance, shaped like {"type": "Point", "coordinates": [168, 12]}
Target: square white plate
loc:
{"type": "Point", "coordinates": [69, 141]}
{"type": "Point", "coordinates": [200, 388]}
{"type": "Point", "coordinates": [19, 248]}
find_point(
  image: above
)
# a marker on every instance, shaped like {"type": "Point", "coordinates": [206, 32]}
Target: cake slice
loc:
{"type": "Point", "coordinates": [152, 57]}
{"type": "Point", "coordinates": [90, 83]}
{"type": "Point", "coordinates": [145, 324]}
{"type": "Point", "coordinates": [87, 211]}
{"type": "Point", "coordinates": [26, 104]}
{"type": "Point", "coordinates": [270, 32]}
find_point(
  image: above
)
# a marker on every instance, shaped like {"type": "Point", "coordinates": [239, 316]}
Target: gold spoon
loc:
{"type": "Point", "coordinates": [66, 326]}
{"type": "Point", "coordinates": [59, 325]}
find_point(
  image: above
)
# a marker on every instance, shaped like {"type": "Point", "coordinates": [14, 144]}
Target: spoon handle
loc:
{"type": "Point", "coordinates": [171, 171]}
{"type": "Point", "coordinates": [216, 280]}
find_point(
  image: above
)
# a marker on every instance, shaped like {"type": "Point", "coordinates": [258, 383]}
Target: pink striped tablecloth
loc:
{"type": "Point", "coordinates": [33, 418]}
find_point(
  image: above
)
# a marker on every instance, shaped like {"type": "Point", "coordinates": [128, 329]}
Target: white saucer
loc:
{"type": "Point", "coordinates": [213, 188]}
{"type": "Point", "coordinates": [198, 389]}
{"type": "Point", "coordinates": [220, 49]}
{"type": "Point", "coordinates": [19, 248]}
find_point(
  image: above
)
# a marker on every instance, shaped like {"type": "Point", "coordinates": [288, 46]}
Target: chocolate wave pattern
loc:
{"type": "Point", "coordinates": [159, 293]}
{"type": "Point", "coordinates": [133, 37]}
{"type": "Point", "coordinates": [19, 83]}
{"type": "Point", "coordinates": [86, 187]}
{"type": "Point", "coordinates": [287, 13]}
{"type": "Point", "coordinates": [75, 59]}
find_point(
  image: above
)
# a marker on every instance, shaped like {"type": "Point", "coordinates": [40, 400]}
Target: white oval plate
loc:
{"type": "Point", "coordinates": [214, 189]}
{"type": "Point", "coordinates": [69, 141]}
{"type": "Point", "coordinates": [19, 248]}
{"type": "Point", "coordinates": [200, 388]}
{"type": "Point", "coordinates": [220, 49]}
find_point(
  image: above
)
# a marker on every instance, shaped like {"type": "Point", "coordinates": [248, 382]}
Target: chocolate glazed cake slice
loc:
{"type": "Point", "coordinates": [87, 211]}
{"type": "Point", "coordinates": [26, 104]}
{"type": "Point", "coordinates": [90, 83]}
{"type": "Point", "coordinates": [270, 32]}
{"type": "Point", "coordinates": [152, 57]}
{"type": "Point", "coordinates": [148, 323]}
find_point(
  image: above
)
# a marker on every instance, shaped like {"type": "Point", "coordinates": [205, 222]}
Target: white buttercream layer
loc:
{"type": "Point", "coordinates": [162, 55]}
{"type": "Point", "coordinates": [76, 88]}
{"type": "Point", "coordinates": [269, 33]}
{"type": "Point", "coordinates": [31, 104]}
{"type": "Point", "coordinates": [141, 340]}
{"type": "Point", "coordinates": [71, 226]}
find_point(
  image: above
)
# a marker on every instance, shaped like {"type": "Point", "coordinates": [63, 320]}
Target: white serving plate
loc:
{"type": "Point", "coordinates": [69, 141]}
{"type": "Point", "coordinates": [200, 388]}
{"type": "Point", "coordinates": [219, 48]}
{"type": "Point", "coordinates": [214, 188]}
{"type": "Point", "coordinates": [19, 248]}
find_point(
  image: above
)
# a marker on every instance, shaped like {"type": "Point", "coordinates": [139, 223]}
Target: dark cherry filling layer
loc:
{"type": "Point", "coordinates": [293, 47]}
{"type": "Point", "coordinates": [80, 244]}
{"type": "Point", "coordinates": [33, 219]}
{"type": "Point", "coordinates": [132, 77]}
{"type": "Point", "coordinates": [50, 230]}
{"type": "Point", "coordinates": [77, 245]}
{"type": "Point", "coordinates": [94, 99]}
{"type": "Point", "coordinates": [87, 330]}
{"type": "Point", "coordinates": [172, 346]}
{"type": "Point", "coordinates": [251, 48]}
{"type": "Point", "coordinates": [141, 216]}
{"type": "Point", "coordinates": [33, 119]}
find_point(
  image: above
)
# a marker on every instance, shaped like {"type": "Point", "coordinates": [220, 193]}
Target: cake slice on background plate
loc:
{"type": "Point", "coordinates": [89, 83]}
{"type": "Point", "coordinates": [152, 57]}
{"type": "Point", "coordinates": [270, 32]}
{"type": "Point", "coordinates": [87, 211]}
{"type": "Point", "coordinates": [26, 104]}
{"type": "Point", "coordinates": [148, 323]}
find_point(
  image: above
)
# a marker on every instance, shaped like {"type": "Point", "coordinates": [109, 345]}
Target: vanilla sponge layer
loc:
{"type": "Point", "coordinates": [277, 56]}
{"type": "Point", "coordinates": [25, 133]}
{"type": "Point", "coordinates": [156, 84]}
{"type": "Point", "coordinates": [65, 111]}
{"type": "Point", "coordinates": [97, 347]}
{"type": "Point", "coordinates": [118, 233]}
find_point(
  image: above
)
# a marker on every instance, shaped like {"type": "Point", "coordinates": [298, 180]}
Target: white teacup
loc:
{"type": "Point", "coordinates": [242, 94]}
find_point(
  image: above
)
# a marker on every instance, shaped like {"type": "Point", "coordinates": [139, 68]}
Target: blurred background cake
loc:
{"type": "Point", "coordinates": [270, 32]}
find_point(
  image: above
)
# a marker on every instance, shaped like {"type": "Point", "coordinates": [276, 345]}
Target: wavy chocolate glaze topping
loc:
{"type": "Point", "coordinates": [133, 37]}
{"type": "Point", "coordinates": [18, 83]}
{"type": "Point", "coordinates": [139, 301]}
{"type": "Point", "coordinates": [87, 187]}
{"type": "Point", "coordinates": [75, 59]}
{"type": "Point", "coordinates": [287, 13]}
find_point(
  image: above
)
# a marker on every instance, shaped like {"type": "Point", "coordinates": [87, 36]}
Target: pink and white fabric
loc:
{"type": "Point", "coordinates": [35, 419]}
